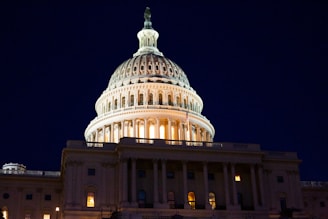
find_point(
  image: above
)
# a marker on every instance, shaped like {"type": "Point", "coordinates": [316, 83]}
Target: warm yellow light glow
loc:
{"type": "Point", "coordinates": [5, 214]}
{"type": "Point", "coordinates": [173, 133]}
{"type": "Point", "coordinates": [211, 200]}
{"type": "Point", "coordinates": [46, 216]}
{"type": "Point", "coordinates": [57, 209]}
{"type": "Point", "coordinates": [141, 131]}
{"type": "Point", "coordinates": [191, 200]}
{"type": "Point", "coordinates": [91, 200]}
{"type": "Point", "coordinates": [237, 178]}
{"type": "Point", "coordinates": [152, 131]}
{"type": "Point", "coordinates": [131, 131]}
{"type": "Point", "coordinates": [162, 132]}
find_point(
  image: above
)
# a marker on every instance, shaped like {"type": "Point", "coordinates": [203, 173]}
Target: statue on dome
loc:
{"type": "Point", "coordinates": [147, 14]}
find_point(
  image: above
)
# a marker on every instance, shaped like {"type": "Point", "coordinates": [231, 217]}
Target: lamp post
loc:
{"type": "Point", "coordinates": [57, 212]}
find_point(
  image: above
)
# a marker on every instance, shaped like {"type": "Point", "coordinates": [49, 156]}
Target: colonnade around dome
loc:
{"type": "Point", "coordinates": [152, 127]}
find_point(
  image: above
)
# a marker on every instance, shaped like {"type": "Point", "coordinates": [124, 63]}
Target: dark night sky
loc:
{"type": "Point", "coordinates": [259, 66]}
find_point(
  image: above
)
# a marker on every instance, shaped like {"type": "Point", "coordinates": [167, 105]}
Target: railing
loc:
{"type": "Point", "coordinates": [31, 173]}
{"type": "Point", "coordinates": [314, 184]}
{"type": "Point", "coordinates": [166, 142]}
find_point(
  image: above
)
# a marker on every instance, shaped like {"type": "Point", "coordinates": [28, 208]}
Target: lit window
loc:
{"type": "Point", "coordinates": [5, 213]}
{"type": "Point", "coordinates": [162, 132]}
{"type": "Point", "coordinates": [191, 200]}
{"type": "Point", "coordinates": [211, 200]}
{"type": "Point", "coordinates": [237, 178]}
{"type": "Point", "coordinates": [46, 216]}
{"type": "Point", "coordinates": [91, 200]}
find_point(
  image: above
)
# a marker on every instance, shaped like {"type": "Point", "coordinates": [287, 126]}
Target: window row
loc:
{"type": "Point", "coordinates": [141, 99]}
{"type": "Point", "coordinates": [28, 196]}
{"type": "Point", "coordinates": [4, 214]}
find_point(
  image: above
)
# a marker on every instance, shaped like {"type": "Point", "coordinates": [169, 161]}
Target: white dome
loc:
{"type": "Point", "coordinates": [149, 96]}
{"type": "Point", "coordinates": [148, 67]}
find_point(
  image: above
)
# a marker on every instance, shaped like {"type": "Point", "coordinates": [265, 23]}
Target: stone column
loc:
{"type": "Point", "coordinates": [185, 185]}
{"type": "Point", "coordinates": [155, 171]}
{"type": "Point", "coordinates": [260, 173]}
{"type": "Point", "coordinates": [157, 128]}
{"type": "Point", "coordinates": [133, 182]}
{"type": "Point", "coordinates": [164, 182]}
{"type": "Point", "coordinates": [205, 174]}
{"type": "Point", "coordinates": [291, 189]}
{"type": "Point", "coordinates": [169, 131]}
{"type": "Point", "coordinates": [123, 192]}
{"type": "Point", "coordinates": [234, 188]}
{"type": "Point", "coordinates": [146, 128]}
{"type": "Point", "coordinates": [111, 132]}
{"type": "Point", "coordinates": [198, 136]}
{"type": "Point", "coordinates": [226, 184]}
{"type": "Point", "coordinates": [97, 134]}
{"type": "Point", "coordinates": [254, 187]}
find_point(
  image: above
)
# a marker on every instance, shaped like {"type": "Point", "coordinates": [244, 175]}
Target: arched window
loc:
{"type": "Point", "coordinates": [178, 101]}
{"type": "Point", "coordinates": [90, 199]}
{"type": "Point", "coordinates": [162, 132]}
{"type": "Point", "coordinates": [132, 100]}
{"type": "Point", "coordinates": [160, 99]}
{"type": "Point", "coordinates": [109, 107]}
{"type": "Point", "coordinates": [211, 200]}
{"type": "Point", "coordinates": [4, 212]}
{"type": "Point", "coordinates": [170, 100]}
{"type": "Point", "coordinates": [123, 102]}
{"type": "Point", "coordinates": [141, 198]}
{"type": "Point", "coordinates": [283, 202]}
{"type": "Point", "coordinates": [150, 99]}
{"type": "Point", "coordinates": [171, 199]}
{"type": "Point", "coordinates": [191, 200]}
{"type": "Point", "coordinates": [140, 102]}
{"type": "Point", "coordinates": [115, 104]}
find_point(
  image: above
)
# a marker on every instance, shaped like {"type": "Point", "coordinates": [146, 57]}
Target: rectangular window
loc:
{"type": "Point", "coordinates": [170, 175]}
{"type": "Point", "coordinates": [27, 216]}
{"type": "Point", "coordinates": [210, 176]}
{"type": "Point", "coordinates": [46, 216]}
{"type": "Point", "coordinates": [91, 200]}
{"type": "Point", "coordinates": [190, 175]}
{"type": "Point", "coordinates": [141, 173]}
{"type": "Point", "coordinates": [280, 179]}
{"type": "Point", "coordinates": [237, 178]}
{"type": "Point", "coordinates": [91, 172]}
{"type": "Point", "coordinates": [322, 204]}
{"type": "Point", "coordinates": [47, 197]}
{"type": "Point", "coordinates": [28, 196]}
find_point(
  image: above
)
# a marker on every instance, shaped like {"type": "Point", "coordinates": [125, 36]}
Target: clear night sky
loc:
{"type": "Point", "coordinates": [259, 66]}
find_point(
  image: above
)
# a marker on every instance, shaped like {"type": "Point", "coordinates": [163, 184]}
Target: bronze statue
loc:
{"type": "Point", "coordinates": [147, 14]}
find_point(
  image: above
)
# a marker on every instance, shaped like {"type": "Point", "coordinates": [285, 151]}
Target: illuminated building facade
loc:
{"type": "Point", "coordinates": [149, 153]}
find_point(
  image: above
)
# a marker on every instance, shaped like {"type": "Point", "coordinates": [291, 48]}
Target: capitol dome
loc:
{"type": "Point", "coordinates": [149, 97]}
